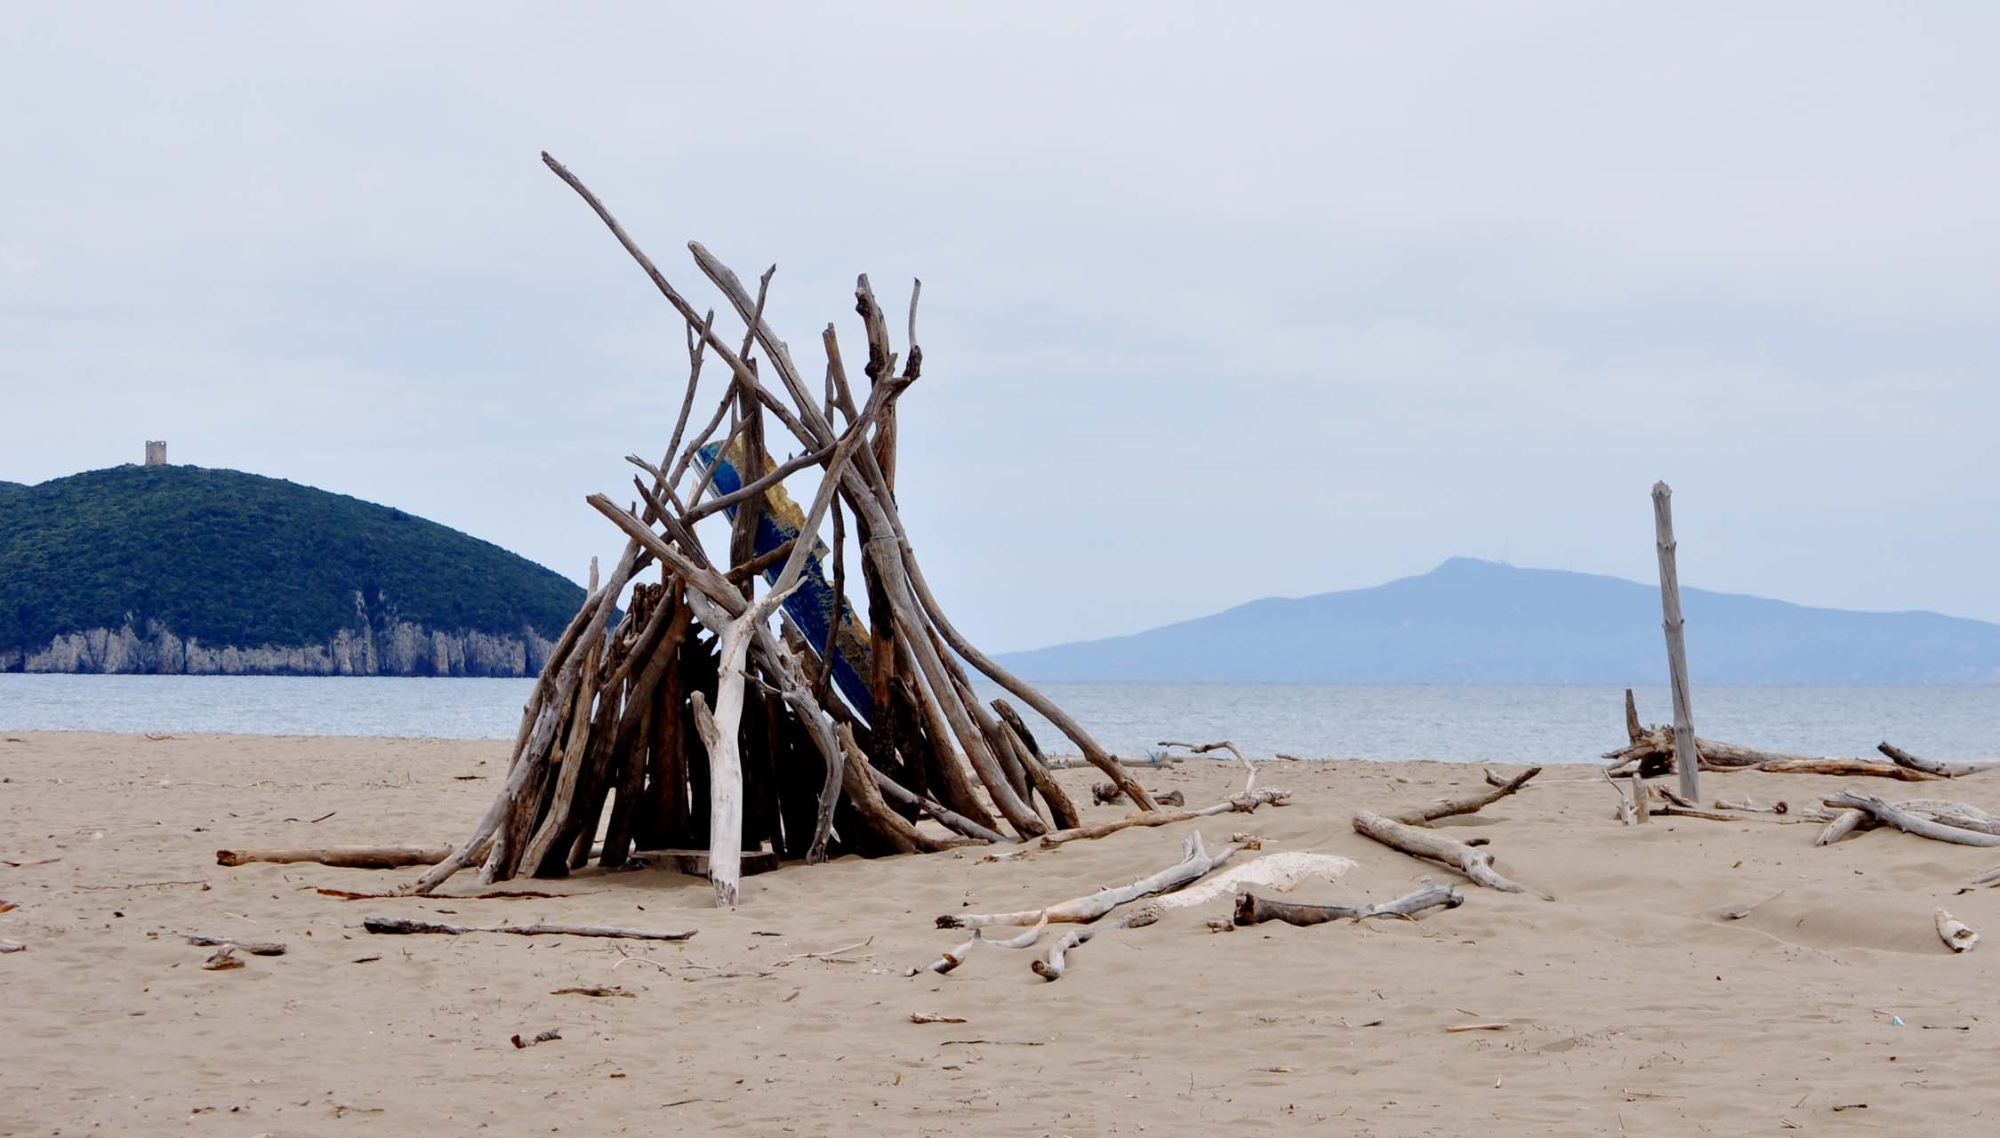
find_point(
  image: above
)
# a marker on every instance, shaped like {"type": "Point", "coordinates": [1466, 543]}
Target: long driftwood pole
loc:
{"type": "Point", "coordinates": [1685, 760]}
{"type": "Point", "coordinates": [345, 857]}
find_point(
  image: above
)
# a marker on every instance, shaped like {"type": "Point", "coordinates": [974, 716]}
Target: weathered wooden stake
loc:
{"type": "Point", "coordinates": [1685, 759]}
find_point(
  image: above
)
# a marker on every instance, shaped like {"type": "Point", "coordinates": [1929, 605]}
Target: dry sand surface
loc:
{"type": "Point", "coordinates": [1631, 1006]}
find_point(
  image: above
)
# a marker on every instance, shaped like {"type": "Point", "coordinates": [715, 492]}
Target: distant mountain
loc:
{"type": "Point", "coordinates": [1473, 621]}
{"type": "Point", "coordinates": [183, 569]}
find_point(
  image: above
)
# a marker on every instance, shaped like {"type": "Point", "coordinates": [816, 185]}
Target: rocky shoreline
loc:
{"type": "Point", "coordinates": [400, 649]}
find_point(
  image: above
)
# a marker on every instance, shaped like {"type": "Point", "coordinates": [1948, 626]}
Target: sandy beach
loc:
{"type": "Point", "coordinates": [1630, 1004]}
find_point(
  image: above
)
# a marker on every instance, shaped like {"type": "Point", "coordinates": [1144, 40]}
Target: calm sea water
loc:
{"type": "Point", "coordinates": [1472, 722]}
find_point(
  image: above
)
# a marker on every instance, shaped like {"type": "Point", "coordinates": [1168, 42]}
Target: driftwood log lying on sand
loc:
{"type": "Point", "coordinates": [1053, 964]}
{"type": "Point", "coordinates": [1471, 803]}
{"type": "Point", "coordinates": [253, 947]}
{"type": "Point", "coordinates": [1938, 767]}
{"type": "Point", "coordinates": [1845, 768]}
{"type": "Point", "coordinates": [955, 957]}
{"type": "Point", "coordinates": [1474, 863]}
{"type": "Point", "coordinates": [1652, 748]}
{"type": "Point", "coordinates": [1254, 910]}
{"type": "Point", "coordinates": [344, 857]}
{"type": "Point", "coordinates": [1195, 862]}
{"type": "Point", "coordinates": [401, 926]}
{"type": "Point", "coordinates": [1908, 821]}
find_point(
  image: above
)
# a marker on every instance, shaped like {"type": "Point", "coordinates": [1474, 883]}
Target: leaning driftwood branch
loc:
{"type": "Point", "coordinates": [1254, 910]}
{"type": "Point", "coordinates": [1195, 863]}
{"type": "Point", "coordinates": [1474, 863]}
{"type": "Point", "coordinates": [400, 926]}
{"type": "Point", "coordinates": [690, 703]}
{"type": "Point", "coordinates": [1470, 803]}
{"type": "Point", "coordinates": [344, 857]}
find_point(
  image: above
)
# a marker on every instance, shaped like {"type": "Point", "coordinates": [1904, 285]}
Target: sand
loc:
{"type": "Point", "coordinates": [1631, 1006]}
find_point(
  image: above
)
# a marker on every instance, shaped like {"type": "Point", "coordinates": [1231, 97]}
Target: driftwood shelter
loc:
{"type": "Point", "coordinates": [687, 721]}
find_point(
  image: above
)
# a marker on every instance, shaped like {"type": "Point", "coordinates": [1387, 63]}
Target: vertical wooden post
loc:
{"type": "Point", "coordinates": [1685, 759]}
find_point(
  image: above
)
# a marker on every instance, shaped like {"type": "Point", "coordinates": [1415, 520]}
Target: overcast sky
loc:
{"type": "Point", "coordinates": [1220, 301]}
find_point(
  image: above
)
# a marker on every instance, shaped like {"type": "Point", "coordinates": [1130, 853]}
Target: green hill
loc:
{"type": "Point", "coordinates": [184, 569]}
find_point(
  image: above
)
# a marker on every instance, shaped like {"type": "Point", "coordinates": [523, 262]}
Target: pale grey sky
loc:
{"type": "Point", "coordinates": [1220, 301]}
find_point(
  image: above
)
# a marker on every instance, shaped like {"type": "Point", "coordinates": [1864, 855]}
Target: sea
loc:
{"type": "Point", "coordinates": [1499, 723]}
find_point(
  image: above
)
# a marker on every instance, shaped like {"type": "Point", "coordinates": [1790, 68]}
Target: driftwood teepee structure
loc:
{"type": "Point", "coordinates": [690, 722]}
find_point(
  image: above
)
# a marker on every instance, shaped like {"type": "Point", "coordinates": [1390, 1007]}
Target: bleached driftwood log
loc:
{"type": "Point", "coordinates": [1471, 803]}
{"type": "Point", "coordinates": [1195, 862]}
{"type": "Point", "coordinates": [1803, 813]}
{"type": "Point", "coordinates": [1963, 815]}
{"type": "Point", "coordinates": [725, 762]}
{"type": "Point", "coordinates": [1476, 864]}
{"type": "Point", "coordinates": [1254, 910]}
{"type": "Point", "coordinates": [344, 857]}
{"type": "Point", "coordinates": [1903, 758]}
{"type": "Point", "coordinates": [1909, 822]}
{"type": "Point", "coordinates": [951, 958]}
{"type": "Point", "coordinates": [1844, 823]}
{"type": "Point", "coordinates": [400, 926]}
{"type": "Point", "coordinates": [1052, 966]}
{"type": "Point", "coordinates": [1845, 768]}
{"type": "Point", "coordinates": [1242, 803]}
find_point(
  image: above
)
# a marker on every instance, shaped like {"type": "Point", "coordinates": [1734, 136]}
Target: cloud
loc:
{"type": "Point", "coordinates": [1218, 303]}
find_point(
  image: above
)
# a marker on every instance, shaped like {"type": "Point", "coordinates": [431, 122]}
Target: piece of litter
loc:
{"type": "Point", "coordinates": [928, 1017]}
{"type": "Point", "coordinates": [1954, 933]}
{"type": "Point", "coordinates": [223, 960]}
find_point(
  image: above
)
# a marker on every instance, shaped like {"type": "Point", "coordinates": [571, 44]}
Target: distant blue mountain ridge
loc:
{"type": "Point", "coordinates": [1471, 621]}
